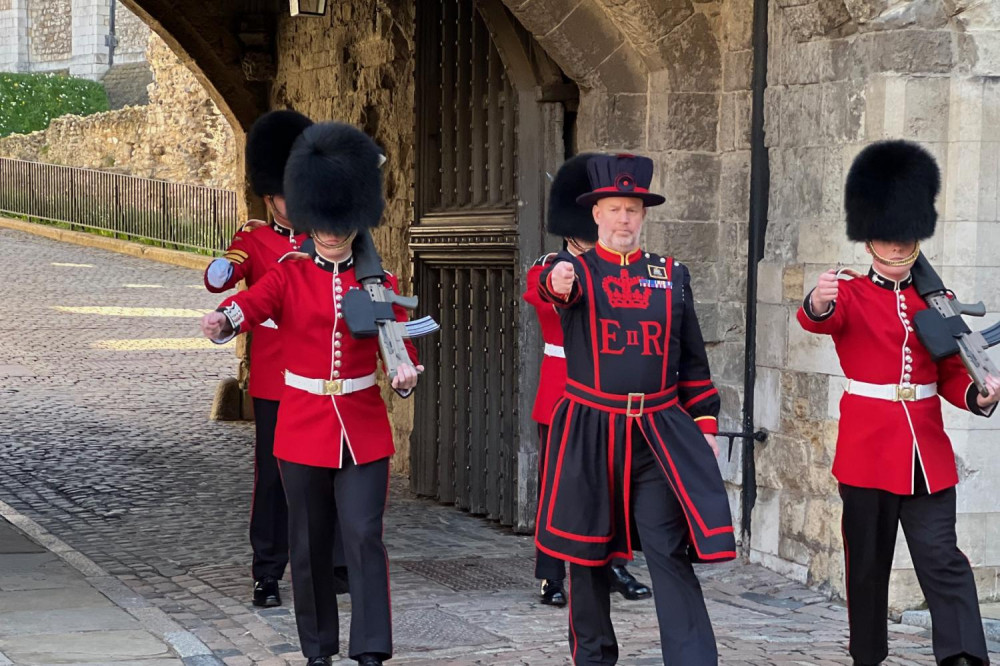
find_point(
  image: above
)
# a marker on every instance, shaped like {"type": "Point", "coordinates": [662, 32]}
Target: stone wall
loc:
{"type": "Point", "coordinates": [841, 75]}
{"type": "Point", "coordinates": [356, 65]}
{"type": "Point", "coordinates": [68, 35]}
{"type": "Point", "coordinates": [14, 26]}
{"type": "Point", "coordinates": [133, 36]}
{"type": "Point", "coordinates": [180, 136]}
{"type": "Point", "coordinates": [49, 30]}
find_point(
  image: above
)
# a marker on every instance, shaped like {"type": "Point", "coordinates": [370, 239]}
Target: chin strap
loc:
{"type": "Point", "coordinates": [906, 261]}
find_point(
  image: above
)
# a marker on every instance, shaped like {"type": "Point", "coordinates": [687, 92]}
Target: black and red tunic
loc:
{"type": "Point", "coordinates": [635, 357]}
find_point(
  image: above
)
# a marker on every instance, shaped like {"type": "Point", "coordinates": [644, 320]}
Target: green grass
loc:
{"type": "Point", "coordinates": [28, 102]}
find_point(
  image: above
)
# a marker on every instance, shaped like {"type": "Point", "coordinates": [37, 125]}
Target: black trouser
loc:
{"type": "Point", "coordinates": [317, 497]}
{"type": "Point", "coordinates": [268, 512]}
{"type": "Point", "coordinates": [870, 522]}
{"type": "Point", "coordinates": [686, 636]}
{"type": "Point", "coordinates": [548, 567]}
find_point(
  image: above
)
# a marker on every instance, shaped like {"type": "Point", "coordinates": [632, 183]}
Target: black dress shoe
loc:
{"type": "Point", "coordinates": [265, 593]}
{"type": "Point", "coordinates": [625, 584]}
{"type": "Point", "coordinates": [552, 593]}
{"type": "Point", "coordinates": [369, 660]}
{"type": "Point", "coordinates": [319, 661]}
{"type": "Point", "coordinates": [962, 660]}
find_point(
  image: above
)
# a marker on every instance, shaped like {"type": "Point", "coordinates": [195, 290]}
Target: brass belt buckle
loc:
{"type": "Point", "coordinates": [641, 397]}
{"type": "Point", "coordinates": [905, 393]}
{"type": "Point", "coordinates": [333, 386]}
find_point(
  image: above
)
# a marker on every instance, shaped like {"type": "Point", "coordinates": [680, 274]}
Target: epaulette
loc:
{"type": "Point", "coordinates": [293, 256]}
{"type": "Point", "coordinates": [847, 274]}
{"type": "Point", "coordinates": [544, 259]}
{"type": "Point", "coordinates": [246, 228]}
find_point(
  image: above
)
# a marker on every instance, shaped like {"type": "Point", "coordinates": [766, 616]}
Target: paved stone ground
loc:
{"type": "Point", "coordinates": [51, 613]}
{"type": "Point", "coordinates": [105, 443]}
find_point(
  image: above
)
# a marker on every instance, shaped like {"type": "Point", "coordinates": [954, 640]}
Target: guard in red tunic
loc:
{"type": "Point", "coordinates": [255, 250]}
{"type": "Point", "coordinates": [632, 441]}
{"type": "Point", "coordinates": [333, 440]}
{"type": "Point", "coordinates": [894, 461]}
{"type": "Point", "coordinates": [575, 224]}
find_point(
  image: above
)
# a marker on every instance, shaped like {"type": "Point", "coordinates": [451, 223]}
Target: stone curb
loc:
{"type": "Point", "coordinates": [187, 646]}
{"type": "Point", "coordinates": [922, 619]}
{"type": "Point", "coordinates": [173, 257]}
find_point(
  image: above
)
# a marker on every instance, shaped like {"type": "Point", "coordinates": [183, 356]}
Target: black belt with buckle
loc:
{"type": "Point", "coordinates": [629, 404]}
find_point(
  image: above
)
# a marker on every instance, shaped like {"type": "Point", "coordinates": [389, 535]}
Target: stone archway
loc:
{"type": "Point", "coordinates": [668, 78]}
{"type": "Point", "coordinates": [215, 56]}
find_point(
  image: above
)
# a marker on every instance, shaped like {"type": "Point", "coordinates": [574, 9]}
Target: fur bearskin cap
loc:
{"type": "Point", "coordinates": [268, 144]}
{"type": "Point", "coordinates": [333, 181]}
{"type": "Point", "coordinates": [566, 217]}
{"type": "Point", "coordinates": [890, 193]}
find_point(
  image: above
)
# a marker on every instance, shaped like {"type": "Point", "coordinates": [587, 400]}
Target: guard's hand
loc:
{"type": "Point", "coordinates": [213, 324]}
{"type": "Point", "coordinates": [993, 386]}
{"type": "Point", "coordinates": [406, 377]}
{"type": "Point", "coordinates": [825, 292]}
{"type": "Point", "coordinates": [713, 443]}
{"type": "Point", "coordinates": [562, 278]}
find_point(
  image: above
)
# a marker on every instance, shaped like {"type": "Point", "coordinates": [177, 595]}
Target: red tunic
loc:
{"type": "Point", "coordinates": [552, 378]}
{"type": "Point", "coordinates": [883, 444]}
{"type": "Point", "coordinates": [253, 253]}
{"type": "Point", "coordinates": [303, 298]}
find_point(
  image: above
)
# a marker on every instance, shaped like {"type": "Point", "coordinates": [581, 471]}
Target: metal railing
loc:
{"type": "Point", "coordinates": [172, 214]}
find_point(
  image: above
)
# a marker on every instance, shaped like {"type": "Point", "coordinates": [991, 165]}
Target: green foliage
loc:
{"type": "Point", "coordinates": [28, 102]}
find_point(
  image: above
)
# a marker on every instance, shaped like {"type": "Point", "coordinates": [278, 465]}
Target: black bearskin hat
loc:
{"type": "Point", "coordinates": [890, 193]}
{"type": "Point", "coordinates": [333, 181]}
{"type": "Point", "coordinates": [268, 144]}
{"type": "Point", "coordinates": [566, 217]}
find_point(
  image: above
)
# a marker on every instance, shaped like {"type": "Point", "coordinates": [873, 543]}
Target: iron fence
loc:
{"type": "Point", "coordinates": [173, 214]}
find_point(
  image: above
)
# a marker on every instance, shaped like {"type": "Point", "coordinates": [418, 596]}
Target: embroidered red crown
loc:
{"type": "Point", "coordinates": [623, 293]}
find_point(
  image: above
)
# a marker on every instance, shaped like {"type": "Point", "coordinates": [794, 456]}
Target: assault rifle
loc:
{"type": "Point", "coordinates": [944, 333]}
{"type": "Point", "coordinates": [368, 311]}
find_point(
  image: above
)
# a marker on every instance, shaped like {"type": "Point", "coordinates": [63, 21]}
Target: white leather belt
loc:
{"type": "Point", "coordinates": [269, 324]}
{"type": "Point", "coordinates": [555, 350]}
{"type": "Point", "coordinates": [893, 392]}
{"type": "Point", "coordinates": [329, 386]}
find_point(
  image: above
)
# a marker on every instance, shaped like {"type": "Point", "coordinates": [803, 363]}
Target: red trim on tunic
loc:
{"type": "Point", "coordinates": [684, 497]}
{"type": "Point", "coordinates": [593, 327]}
{"type": "Point", "coordinates": [722, 555]}
{"type": "Point", "coordinates": [545, 477]}
{"type": "Point", "coordinates": [701, 396]}
{"type": "Point", "coordinates": [670, 309]}
{"type": "Point", "coordinates": [619, 403]}
{"type": "Point", "coordinates": [607, 254]}
{"type": "Point", "coordinates": [628, 485]}
{"type": "Point", "coordinates": [611, 472]}
{"type": "Point", "coordinates": [695, 384]}
{"type": "Point", "coordinates": [549, 527]}
{"type": "Point", "coordinates": [579, 560]}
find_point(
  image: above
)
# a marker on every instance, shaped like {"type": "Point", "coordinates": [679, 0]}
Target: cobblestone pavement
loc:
{"type": "Point", "coordinates": [105, 442]}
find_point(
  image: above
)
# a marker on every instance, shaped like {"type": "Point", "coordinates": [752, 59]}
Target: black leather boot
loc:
{"type": "Point", "coordinates": [625, 584]}
{"type": "Point", "coordinates": [552, 593]}
{"type": "Point", "coordinates": [265, 593]}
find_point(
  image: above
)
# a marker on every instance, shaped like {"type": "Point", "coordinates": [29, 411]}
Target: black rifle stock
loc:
{"type": "Point", "coordinates": [368, 312]}
{"type": "Point", "coordinates": [944, 333]}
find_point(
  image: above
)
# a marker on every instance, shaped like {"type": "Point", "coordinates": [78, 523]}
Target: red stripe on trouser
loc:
{"type": "Point", "coordinates": [572, 631]}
